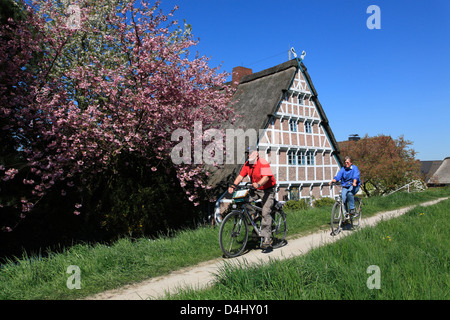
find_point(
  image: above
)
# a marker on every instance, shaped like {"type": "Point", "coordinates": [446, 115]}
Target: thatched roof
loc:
{"type": "Point", "coordinates": [257, 98]}
{"type": "Point", "coordinates": [442, 174]}
{"type": "Point", "coordinates": [428, 168]}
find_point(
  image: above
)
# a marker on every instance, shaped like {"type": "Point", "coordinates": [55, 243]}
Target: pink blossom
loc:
{"type": "Point", "coordinates": [9, 174]}
{"type": "Point", "coordinates": [67, 135]}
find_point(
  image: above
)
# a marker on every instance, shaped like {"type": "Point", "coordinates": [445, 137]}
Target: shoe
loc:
{"type": "Point", "coordinates": [352, 212]}
{"type": "Point", "coordinates": [267, 243]}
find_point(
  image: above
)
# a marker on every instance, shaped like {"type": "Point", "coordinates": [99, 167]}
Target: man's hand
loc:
{"type": "Point", "coordinates": [261, 182]}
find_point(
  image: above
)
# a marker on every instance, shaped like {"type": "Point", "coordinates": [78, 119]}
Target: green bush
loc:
{"type": "Point", "coordinates": [323, 202]}
{"type": "Point", "coordinates": [296, 205]}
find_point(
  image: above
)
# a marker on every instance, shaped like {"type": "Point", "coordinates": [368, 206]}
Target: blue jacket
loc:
{"type": "Point", "coordinates": [347, 175]}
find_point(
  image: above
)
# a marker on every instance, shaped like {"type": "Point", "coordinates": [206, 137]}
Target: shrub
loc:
{"type": "Point", "coordinates": [323, 202]}
{"type": "Point", "coordinates": [296, 205]}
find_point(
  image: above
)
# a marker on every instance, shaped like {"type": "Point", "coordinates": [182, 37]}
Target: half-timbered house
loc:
{"type": "Point", "coordinates": [294, 134]}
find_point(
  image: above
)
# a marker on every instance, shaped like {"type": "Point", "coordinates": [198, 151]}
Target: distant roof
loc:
{"type": "Point", "coordinates": [428, 168]}
{"type": "Point", "coordinates": [442, 174]}
{"type": "Point", "coordinates": [257, 98]}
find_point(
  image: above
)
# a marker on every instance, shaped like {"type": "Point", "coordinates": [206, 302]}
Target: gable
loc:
{"type": "Point", "coordinates": [267, 100]}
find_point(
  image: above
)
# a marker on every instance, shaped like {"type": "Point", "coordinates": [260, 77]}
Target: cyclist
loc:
{"type": "Point", "coordinates": [264, 182]}
{"type": "Point", "coordinates": [350, 181]}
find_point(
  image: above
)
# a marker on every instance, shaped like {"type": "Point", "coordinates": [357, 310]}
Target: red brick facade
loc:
{"type": "Point", "coordinates": [297, 146]}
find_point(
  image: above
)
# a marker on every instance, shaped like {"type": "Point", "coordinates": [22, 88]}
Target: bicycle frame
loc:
{"type": "Point", "coordinates": [338, 220]}
{"type": "Point", "coordinates": [243, 208]}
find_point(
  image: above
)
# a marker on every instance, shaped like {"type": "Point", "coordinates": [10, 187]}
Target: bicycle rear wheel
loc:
{"type": "Point", "coordinates": [233, 234]}
{"type": "Point", "coordinates": [279, 229]}
{"type": "Point", "coordinates": [356, 219]}
{"type": "Point", "coordinates": [336, 218]}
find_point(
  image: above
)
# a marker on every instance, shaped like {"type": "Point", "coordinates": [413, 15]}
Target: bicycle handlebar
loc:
{"type": "Point", "coordinates": [247, 185]}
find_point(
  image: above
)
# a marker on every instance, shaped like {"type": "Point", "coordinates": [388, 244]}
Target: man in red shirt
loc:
{"type": "Point", "coordinates": [263, 181]}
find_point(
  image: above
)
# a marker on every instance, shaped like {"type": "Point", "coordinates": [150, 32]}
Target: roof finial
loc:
{"type": "Point", "coordinates": [293, 52]}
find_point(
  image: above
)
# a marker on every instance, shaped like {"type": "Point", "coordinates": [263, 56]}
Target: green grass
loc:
{"type": "Point", "coordinates": [105, 267]}
{"type": "Point", "coordinates": [411, 252]}
{"type": "Point", "coordinates": [307, 221]}
{"type": "Point", "coordinates": [128, 261]}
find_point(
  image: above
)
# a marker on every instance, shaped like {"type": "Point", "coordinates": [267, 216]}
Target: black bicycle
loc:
{"type": "Point", "coordinates": [234, 229]}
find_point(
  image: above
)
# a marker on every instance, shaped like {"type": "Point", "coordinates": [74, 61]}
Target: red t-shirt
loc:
{"type": "Point", "coordinates": [257, 171]}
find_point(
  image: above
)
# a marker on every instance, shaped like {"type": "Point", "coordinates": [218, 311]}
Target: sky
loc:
{"type": "Point", "coordinates": [392, 80]}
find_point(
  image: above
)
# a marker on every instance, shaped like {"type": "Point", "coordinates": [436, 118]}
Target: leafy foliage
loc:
{"type": "Point", "coordinates": [296, 205]}
{"type": "Point", "coordinates": [385, 163]}
{"type": "Point", "coordinates": [324, 202]}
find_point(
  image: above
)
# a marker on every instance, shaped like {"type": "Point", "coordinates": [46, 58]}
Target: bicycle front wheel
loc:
{"type": "Point", "coordinates": [279, 229]}
{"type": "Point", "coordinates": [336, 218]}
{"type": "Point", "coordinates": [233, 234]}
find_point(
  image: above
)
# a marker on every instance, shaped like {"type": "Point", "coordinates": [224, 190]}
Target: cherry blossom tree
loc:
{"type": "Point", "coordinates": [87, 84]}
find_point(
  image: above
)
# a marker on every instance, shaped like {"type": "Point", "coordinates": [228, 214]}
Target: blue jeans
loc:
{"type": "Point", "coordinates": [348, 195]}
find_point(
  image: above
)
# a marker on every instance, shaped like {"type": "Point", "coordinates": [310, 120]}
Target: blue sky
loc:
{"type": "Point", "coordinates": [393, 81]}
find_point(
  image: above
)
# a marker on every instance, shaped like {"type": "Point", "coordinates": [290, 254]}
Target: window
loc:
{"type": "Point", "coordinates": [294, 194]}
{"type": "Point", "coordinates": [293, 125]}
{"type": "Point", "coordinates": [308, 127]}
{"type": "Point", "coordinates": [301, 158]}
{"type": "Point", "coordinates": [310, 158]}
{"type": "Point", "coordinates": [291, 158]}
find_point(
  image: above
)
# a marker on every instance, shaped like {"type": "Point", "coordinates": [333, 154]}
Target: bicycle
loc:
{"type": "Point", "coordinates": [234, 229]}
{"type": "Point", "coordinates": [340, 217]}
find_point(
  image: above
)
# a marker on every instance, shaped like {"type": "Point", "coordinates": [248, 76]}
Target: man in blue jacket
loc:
{"type": "Point", "coordinates": [350, 182]}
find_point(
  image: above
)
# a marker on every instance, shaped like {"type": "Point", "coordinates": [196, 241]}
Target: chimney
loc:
{"type": "Point", "coordinates": [238, 73]}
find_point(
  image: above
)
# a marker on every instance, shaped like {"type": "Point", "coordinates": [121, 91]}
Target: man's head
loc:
{"type": "Point", "coordinates": [252, 155]}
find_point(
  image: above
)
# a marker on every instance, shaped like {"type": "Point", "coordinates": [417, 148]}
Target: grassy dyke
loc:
{"type": "Point", "coordinates": [128, 260]}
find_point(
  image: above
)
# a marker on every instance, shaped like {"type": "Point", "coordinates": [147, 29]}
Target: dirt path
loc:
{"type": "Point", "coordinates": [203, 274]}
